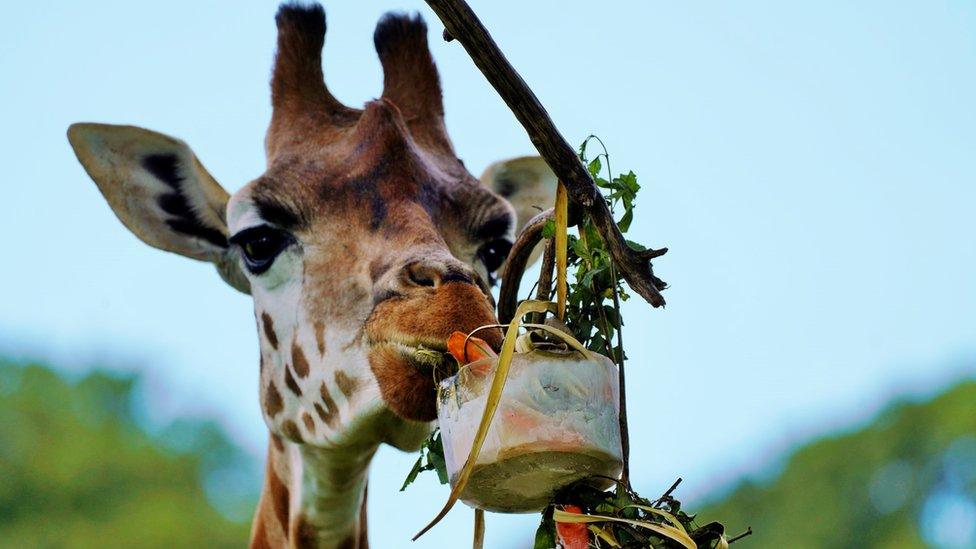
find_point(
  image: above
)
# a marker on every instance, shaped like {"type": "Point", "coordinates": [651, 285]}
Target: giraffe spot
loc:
{"type": "Point", "coordinates": [331, 410]}
{"type": "Point", "coordinates": [354, 340]}
{"type": "Point", "coordinates": [309, 422]}
{"type": "Point", "coordinates": [259, 540]}
{"type": "Point", "coordinates": [305, 534]}
{"type": "Point", "coordinates": [272, 400]}
{"type": "Point", "coordinates": [277, 442]}
{"type": "Point", "coordinates": [269, 332]}
{"type": "Point", "coordinates": [320, 336]}
{"type": "Point", "coordinates": [279, 497]}
{"type": "Point", "coordinates": [291, 383]}
{"type": "Point", "coordinates": [346, 384]}
{"type": "Point", "coordinates": [291, 431]}
{"type": "Point", "coordinates": [322, 413]}
{"type": "Point", "coordinates": [378, 211]}
{"type": "Point", "coordinates": [298, 359]}
{"type": "Point", "coordinates": [349, 543]}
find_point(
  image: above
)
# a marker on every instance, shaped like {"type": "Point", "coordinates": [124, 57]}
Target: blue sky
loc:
{"type": "Point", "coordinates": [811, 167]}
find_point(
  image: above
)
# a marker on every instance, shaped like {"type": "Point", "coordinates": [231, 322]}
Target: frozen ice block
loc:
{"type": "Point", "coordinates": [556, 423]}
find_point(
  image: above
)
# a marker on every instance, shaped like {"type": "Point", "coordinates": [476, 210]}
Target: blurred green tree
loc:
{"type": "Point", "coordinates": [906, 480]}
{"type": "Point", "coordinates": [78, 470]}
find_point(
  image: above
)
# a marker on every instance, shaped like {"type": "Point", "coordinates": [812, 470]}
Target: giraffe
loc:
{"type": "Point", "coordinates": [365, 238]}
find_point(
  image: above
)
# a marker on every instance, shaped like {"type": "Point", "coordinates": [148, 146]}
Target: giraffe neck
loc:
{"type": "Point", "coordinates": [313, 497]}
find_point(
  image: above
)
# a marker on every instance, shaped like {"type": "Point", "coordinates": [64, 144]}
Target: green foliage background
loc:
{"type": "Point", "coordinates": [906, 480]}
{"type": "Point", "coordinates": [78, 470]}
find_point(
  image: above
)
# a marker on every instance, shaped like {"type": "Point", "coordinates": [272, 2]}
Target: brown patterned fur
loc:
{"type": "Point", "coordinates": [385, 230]}
{"type": "Point", "coordinates": [388, 175]}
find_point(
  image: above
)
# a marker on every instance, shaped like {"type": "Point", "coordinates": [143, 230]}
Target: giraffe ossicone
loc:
{"type": "Point", "coordinates": [365, 238]}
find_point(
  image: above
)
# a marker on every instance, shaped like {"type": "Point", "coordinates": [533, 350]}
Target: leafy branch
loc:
{"type": "Point", "coordinates": [593, 311]}
{"type": "Point", "coordinates": [598, 254]}
{"type": "Point", "coordinates": [618, 517]}
{"type": "Point", "coordinates": [629, 521]}
{"type": "Point", "coordinates": [431, 459]}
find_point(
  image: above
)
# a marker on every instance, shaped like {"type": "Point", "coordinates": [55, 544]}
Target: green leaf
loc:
{"type": "Point", "coordinates": [593, 238]}
{"type": "Point", "coordinates": [545, 535]}
{"type": "Point", "coordinates": [549, 229]}
{"type": "Point", "coordinates": [625, 221]}
{"type": "Point", "coordinates": [594, 166]}
{"type": "Point", "coordinates": [579, 248]}
{"type": "Point", "coordinates": [596, 344]}
{"type": "Point", "coordinates": [413, 474]}
{"type": "Point", "coordinates": [588, 277]}
{"type": "Point", "coordinates": [628, 181]}
{"type": "Point", "coordinates": [431, 459]}
{"type": "Point", "coordinates": [612, 316]}
{"type": "Point", "coordinates": [582, 149]}
{"type": "Point", "coordinates": [437, 460]}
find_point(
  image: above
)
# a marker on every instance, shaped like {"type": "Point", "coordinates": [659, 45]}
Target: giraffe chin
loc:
{"type": "Point", "coordinates": [408, 390]}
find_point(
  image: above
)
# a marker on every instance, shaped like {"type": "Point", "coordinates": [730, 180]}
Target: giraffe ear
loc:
{"type": "Point", "coordinates": [160, 191]}
{"type": "Point", "coordinates": [526, 182]}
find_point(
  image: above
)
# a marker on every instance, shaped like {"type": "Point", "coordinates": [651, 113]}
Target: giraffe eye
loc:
{"type": "Point", "coordinates": [260, 246]}
{"type": "Point", "coordinates": [494, 253]}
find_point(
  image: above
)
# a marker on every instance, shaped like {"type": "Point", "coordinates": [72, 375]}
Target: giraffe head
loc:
{"type": "Point", "coordinates": [364, 239]}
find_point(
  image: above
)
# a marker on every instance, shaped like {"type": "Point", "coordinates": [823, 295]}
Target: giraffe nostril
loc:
{"type": "Point", "coordinates": [455, 275]}
{"type": "Point", "coordinates": [434, 274]}
{"type": "Point", "coordinates": [423, 275]}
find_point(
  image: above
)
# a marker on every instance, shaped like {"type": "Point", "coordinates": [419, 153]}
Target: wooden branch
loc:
{"type": "Point", "coordinates": [516, 263]}
{"type": "Point", "coordinates": [667, 493]}
{"type": "Point", "coordinates": [461, 24]}
{"type": "Point", "coordinates": [544, 290]}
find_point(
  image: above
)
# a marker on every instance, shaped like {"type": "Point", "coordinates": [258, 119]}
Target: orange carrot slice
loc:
{"type": "Point", "coordinates": [475, 349]}
{"type": "Point", "coordinates": [572, 535]}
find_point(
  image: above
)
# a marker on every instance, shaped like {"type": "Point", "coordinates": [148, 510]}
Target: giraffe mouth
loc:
{"type": "Point", "coordinates": [426, 354]}
{"type": "Point", "coordinates": [408, 370]}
